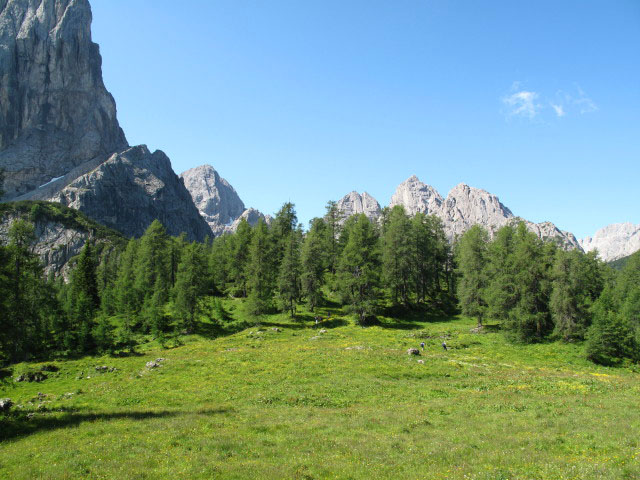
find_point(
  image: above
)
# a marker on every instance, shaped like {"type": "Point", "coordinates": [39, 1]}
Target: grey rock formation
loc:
{"type": "Point", "coordinates": [252, 216]}
{"type": "Point", "coordinates": [466, 206]}
{"type": "Point", "coordinates": [355, 203]}
{"type": "Point", "coordinates": [548, 231]}
{"type": "Point", "coordinates": [417, 197]}
{"type": "Point", "coordinates": [215, 199]}
{"type": "Point", "coordinates": [614, 241]}
{"type": "Point", "coordinates": [55, 112]}
{"type": "Point", "coordinates": [56, 243]}
{"type": "Point", "coordinates": [127, 192]}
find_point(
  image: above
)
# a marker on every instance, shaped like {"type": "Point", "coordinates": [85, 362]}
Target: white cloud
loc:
{"type": "Point", "coordinates": [522, 104]}
{"type": "Point", "coordinates": [559, 109]}
{"type": "Point", "coordinates": [584, 103]}
{"type": "Point", "coordinates": [529, 104]}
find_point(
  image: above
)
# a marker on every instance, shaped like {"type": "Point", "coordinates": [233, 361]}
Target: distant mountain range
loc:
{"type": "Point", "coordinates": [60, 141]}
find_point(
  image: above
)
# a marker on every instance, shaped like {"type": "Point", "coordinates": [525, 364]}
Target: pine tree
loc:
{"type": "Point", "coordinates": [126, 298]}
{"type": "Point", "coordinates": [397, 258]}
{"type": "Point", "coordinates": [333, 219]}
{"type": "Point", "coordinates": [83, 301]}
{"type": "Point", "coordinates": [577, 283]}
{"type": "Point", "coordinates": [190, 285]}
{"type": "Point", "coordinates": [289, 274]}
{"type": "Point", "coordinates": [29, 301]}
{"type": "Point", "coordinates": [500, 294]}
{"type": "Point", "coordinates": [471, 258]}
{"type": "Point", "coordinates": [359, 268]}
{"type": "Point", "coordinates": [260, 271]}
{"type": "Point", "coordinates": [529, 320]}
{"type": "Point", "coordinates": [314, 261]}
{"type": "Point", "coordinates": [241, 242]}
{"type": "Point", "coordinates": [152, 271]}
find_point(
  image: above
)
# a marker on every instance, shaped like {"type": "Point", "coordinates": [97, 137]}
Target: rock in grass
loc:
{"type": "Point", "coordinates": [413, 351]}
{"type": "Point", "coordinates": [151, 365]}
{"type": "Point", "coordinates": [5, 404]}
{"type": "Point", "coordinates": [421, 361]}
{"type": "Point", "coordinates": [31, 377]}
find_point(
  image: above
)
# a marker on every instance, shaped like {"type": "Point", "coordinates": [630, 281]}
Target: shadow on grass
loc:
{"type": "Point", "coordinates": [403, 318]}
{"type": "Point", "coordinates": [18, 424]}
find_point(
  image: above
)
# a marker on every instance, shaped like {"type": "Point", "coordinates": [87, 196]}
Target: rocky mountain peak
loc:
{"type": "Point", "coordinates": [55, 112]}
{"type": "Point", "coordinates": [355, 203]}
{"type": "Point", "coordinates": [416, 196]}
{"type": "Point", "coordinates": [614, 241]}
{"type": "Point", "coordinates": [216, 200]}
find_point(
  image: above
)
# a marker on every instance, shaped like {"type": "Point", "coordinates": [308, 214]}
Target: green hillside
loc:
{"type": "Point", "coordinates": [620, 263]}
{"type": "Point", "coordinates": [288, 400]}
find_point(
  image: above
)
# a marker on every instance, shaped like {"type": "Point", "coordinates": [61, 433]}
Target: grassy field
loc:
{"type": "Point", "coordinates": [288, 401]}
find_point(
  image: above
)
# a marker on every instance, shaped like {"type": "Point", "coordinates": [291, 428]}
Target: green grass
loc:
{"type": "Point", "coordinates": [346, 404]}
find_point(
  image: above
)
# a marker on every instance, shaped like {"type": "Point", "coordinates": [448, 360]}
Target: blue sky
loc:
{"type": "Point", "coordinates": [536, 102]}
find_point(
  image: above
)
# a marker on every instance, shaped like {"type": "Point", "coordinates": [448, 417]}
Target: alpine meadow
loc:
{"type": "Point", "coordinates": [154, 326]}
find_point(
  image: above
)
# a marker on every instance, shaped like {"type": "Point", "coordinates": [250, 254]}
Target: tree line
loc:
{"type": "Point", "coordinates": [538, 292]}
{"type": "Point", "coordinates": [157, 284]}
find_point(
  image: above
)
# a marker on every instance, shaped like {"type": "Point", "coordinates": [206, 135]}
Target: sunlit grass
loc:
{"type": "Point", "coordinates": [347, 403]}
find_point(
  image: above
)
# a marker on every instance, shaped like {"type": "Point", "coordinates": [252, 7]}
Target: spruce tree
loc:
{"type": "Point", "coordinates": [289, 274]}
{"type": "Point", "coordinates": [83, 301]}
{"type": "Point", "coordinates": [261, 269]}
{"type": "Point", "coordinates": [397, 258]}
{"type": "Point", "coordinates": [240, 244]}
{"type": "Point", "coordinates": [471, 258]}
{"type": "Point", "coordinates": [314, 261]}
{"type": "Point", "coordinates": [190, 286]}
{"type": "Point", "coordinates": [577, 283]}
{"type": "Point", "coordinates": [152, 271]}
{"type": "Point", "coordinates": [359, 268]}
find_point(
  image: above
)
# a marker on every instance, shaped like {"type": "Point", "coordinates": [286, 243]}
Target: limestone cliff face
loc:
{"type": "Point", "coordinates": [215, 199]}
{"type": "Point", "coordinates": [252, 216]}
{"type": "Point", "coordinates": [56, 243]}
{"type": "Point", "coordinates": [55, 112]}
{"type": "Point", "coordinates": [355, 203]}
{"type": "Point", "coordinates": [464, 207]}
{"type": "Point", "coordinates": [417, 197]}
{"type": "Point", "coordinates": [614, 241]}
{"type": "Point", "coordinates": [127, 192]}
{"type": "Point", "coordinates": [60, 233]}
{"type": "Point", "coordinates": [58, 122]}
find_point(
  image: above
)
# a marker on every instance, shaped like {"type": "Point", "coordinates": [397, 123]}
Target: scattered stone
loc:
{"type": "Point", "coordinates": [359, 347]}
{"type": "Point", "coordinates": [151, 365]}
{"type": "Point", "coordinates": [30, 416]}
{"type": "Point", "coordinates": [477, 329]}
{"type": "Point", "coordinates": [158, 360]}
{"type": "Point", "coordinates": [315, 338]}
{"type": "Point", "coordinates": [276, 329]}
{"type": "Point", "coordinates": [31, 377]}
{"type": "Point", "coordinates": [421, 361]}
{"type": "Point", "coordinates": [5, 404]}
{"type": "Point", "coordinates": [323, 331]}
{"type": "Point", "coordinates": [413, 351]}
{"type": "Point", "coordinates": [103, 369]}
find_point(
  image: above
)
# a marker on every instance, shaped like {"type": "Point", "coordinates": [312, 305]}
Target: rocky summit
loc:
{"type": "Point", "coordinates": [55, 112]}
{"type": "Point", "coordinates": [464, 207]}
{"type": "Point", "coordinates": [59, 135]}
{"type": "Point", "coordinates": [355, 203]}
{"type": "Point", "coordinates": [216, 200]}
{"type": "Point", "coordinates": [252, 216]}
{"type": "Point", "coordinates": [614, 241]}
{"type": "Point", "coordinates": [127, 192]}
